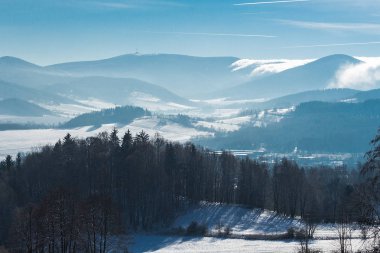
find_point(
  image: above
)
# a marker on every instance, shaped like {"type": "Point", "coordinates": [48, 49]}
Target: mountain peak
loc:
{"type": "Point", "coordinates": [14, 61]}
{"type": "Point", "coordinates": [338, 59]}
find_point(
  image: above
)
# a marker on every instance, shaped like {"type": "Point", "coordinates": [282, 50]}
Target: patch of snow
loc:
{"type": "Point", "coordinates": [97, 103]}
{"type": "Point", "coordinates": [236, 120]}
{"type": "Point", "coordinates": [69, 110]}
{"type": "Point", "coordinates": [226, 101]}
{"type": "Point", "coordinates": [152, 103]}
{"type": "Point", "coordinates": [218, 126]}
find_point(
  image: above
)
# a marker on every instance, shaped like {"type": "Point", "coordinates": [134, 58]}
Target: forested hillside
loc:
{"type": "Point", "coordinates": [313, 126]}
{"type": "Point", "coordinates": [121, 115]}
{"type": "Point", "coordinates": [62, 195]}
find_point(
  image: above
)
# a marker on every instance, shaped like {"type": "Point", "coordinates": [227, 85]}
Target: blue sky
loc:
{"type": "Point", "coordinates": [52, 31]}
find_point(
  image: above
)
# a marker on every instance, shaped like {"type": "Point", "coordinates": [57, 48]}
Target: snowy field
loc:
{"type": "Point", "coordinates": [243, 221]}
{"type": "Point", "coordinates": [14, 141]}
{"type": "Point", "coordinates": [164, 244]}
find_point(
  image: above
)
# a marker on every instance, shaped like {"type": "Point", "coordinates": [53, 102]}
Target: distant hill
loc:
{"type": "Point", "coordinates": [366, 95]}
{"type": "Point", "coordinates": [21, 72]}
{"type": "Point", "coordinates": [314, 127]}
{"type": "Point", "coordinates": [325, 95]}
{"type": "Point", "coordinates": [12, 90]}
{"type": "Point", "coordinates": [13, 62]}
{"type": "Point", "coordinates": [312, 76]}
{"type": "Point", "coordinates": [186, 76]}
{"type": "Point", "coordinates": [18, 107]}
{"type": "Point", "coordinates": [119, 115]}
{"type": "Point", "coordinates": [116, 90]}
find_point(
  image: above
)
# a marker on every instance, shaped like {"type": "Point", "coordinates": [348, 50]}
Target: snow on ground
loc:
{"type": "Point", "coordinates": [171, 131]}
{"type": "Point", "coordinates": [220, 102]}
{"type": "Point", "coordinates": [14, 141]}
{"type": "Point", "coordinates": [97, 103]}
{"type": "Point", "coordinates": [161, 244]}
{"type": "Point", "coordinates": [69, 110]}
{"type": "Point", "coordinates": [147, 101]}
{"type": "Point", "coordinates": [241, 220]}
{"type": "Point", "coordinates": [236, 120]}
{"type": "Point", "coordinates": [217, 126]}
{"type": "Point", "coordinates": [224, 125]}
{"type": "Point", "coordinates": [173, 244]}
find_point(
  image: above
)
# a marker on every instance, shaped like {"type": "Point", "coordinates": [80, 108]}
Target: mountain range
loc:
{"type": "Point", "coordinates": [187, 76]}
{"type": "Point", "coordinates": [173, 78]}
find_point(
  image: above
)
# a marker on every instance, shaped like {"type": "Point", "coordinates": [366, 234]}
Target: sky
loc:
{"type": "Point", "coordinates": [54, 31]}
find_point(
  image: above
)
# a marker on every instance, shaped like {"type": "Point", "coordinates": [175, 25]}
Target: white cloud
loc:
{"type": "Point", "coordinates": [352, 27]}
{"type": "Point", "coordinates": [362, 76]}
{"type": "Point", "coordinates": [263, 67]}
{"type": "Point", "coordinates": [271, 2]}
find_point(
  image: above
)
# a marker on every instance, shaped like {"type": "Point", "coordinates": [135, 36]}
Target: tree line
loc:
{"type": "Point", "coordinates": [73, 195]}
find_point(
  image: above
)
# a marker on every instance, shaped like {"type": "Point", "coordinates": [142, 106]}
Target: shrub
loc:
{"type": "Point", "coordinates": [291, 233]}
{"type": "Point", "coordinates": [227, 231]}
{"type": "Point", "coordinates": [196, 229]}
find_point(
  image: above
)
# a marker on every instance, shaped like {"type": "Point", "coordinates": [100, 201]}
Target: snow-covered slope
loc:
{"type": "Point", "coordinates": [239, 219]}
{"type": "Point", "coordinates": [172, 244]}
{"type": "Point", "coordinates": [243, 221]}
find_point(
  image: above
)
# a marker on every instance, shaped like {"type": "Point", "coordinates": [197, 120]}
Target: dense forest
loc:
{"type": "Point", "coordinates": [122, 115]}
{"type": "Point", "coordinates": [71, 196]}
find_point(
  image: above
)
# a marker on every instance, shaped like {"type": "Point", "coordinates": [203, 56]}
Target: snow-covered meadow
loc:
{"type": "Point", "coordinates": [163, 244]}
{"type": "Point", "coordinates": [243, 222]}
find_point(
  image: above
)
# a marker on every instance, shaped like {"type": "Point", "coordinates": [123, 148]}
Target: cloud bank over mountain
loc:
{"type": "Point", "coordinates": [362, 76]}
{"type": "Point", "coordinates": [271, 66]}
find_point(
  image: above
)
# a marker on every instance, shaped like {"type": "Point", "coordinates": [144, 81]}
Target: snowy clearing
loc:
{"type": "Point", "coordinates": [242, 221]}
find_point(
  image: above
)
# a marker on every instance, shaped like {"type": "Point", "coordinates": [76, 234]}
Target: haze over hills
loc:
{"type": "Point", "coordinates": [324, 95]}
{"type": "Point", "coordinates": [187, 76]}
{"type": "Point", "coordinates": [12, 90]}
{"type": "Point", "coordinates": [120, 91]}
{"type": "Point", "coordinates": [15, 70]}
{"type": "Point", "coordinates": [312, 76]}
